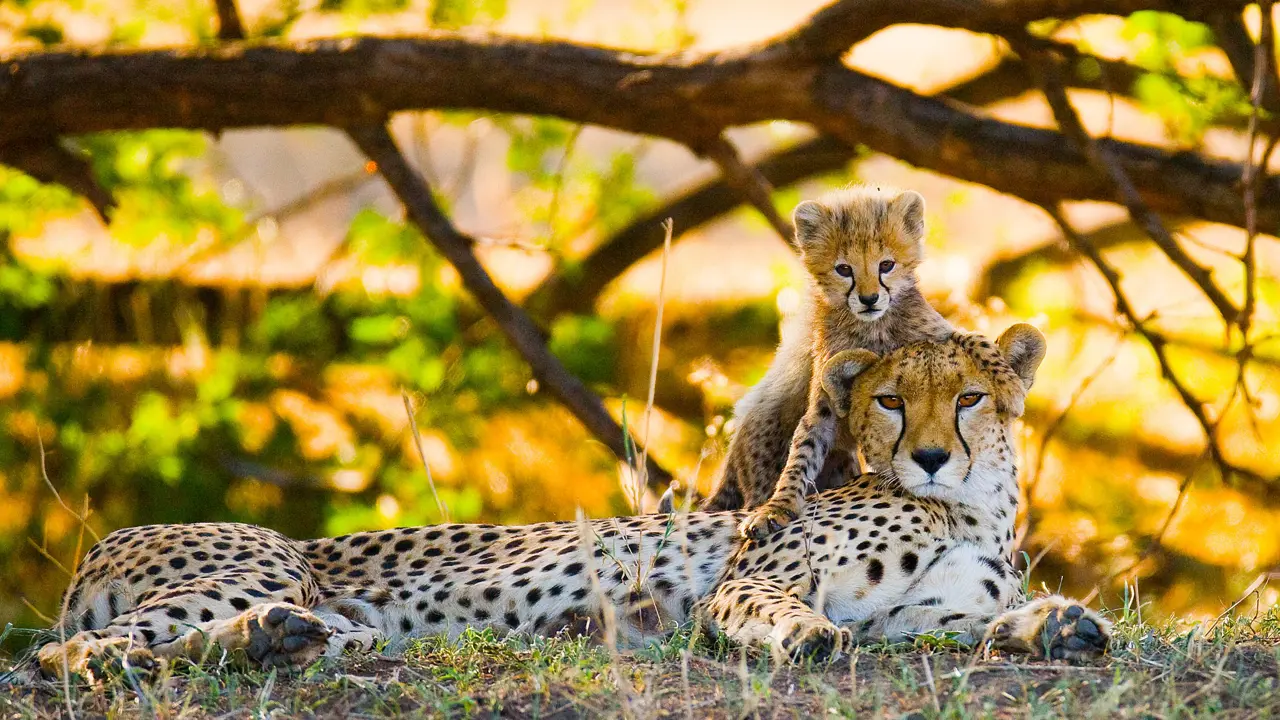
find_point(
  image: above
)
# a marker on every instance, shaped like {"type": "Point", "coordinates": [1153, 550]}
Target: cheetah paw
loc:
{"type": "Point", "coordinates": [1052, 627]}
{"type": "Point", "coordinates": [818, 643]}
{"type": "Point", "coordinates": [771, 517]}
{"type": "Point", "coordinates": [283, 635]}
{"type": "Point", "coordinates": [97, 659]}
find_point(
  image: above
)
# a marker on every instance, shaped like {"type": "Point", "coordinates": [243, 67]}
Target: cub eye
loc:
{"type": "Point", "coordinates": [844, 270]}
{"type": "Point", "coordinates": [889, 402]}
{"type": "Point", "coordinates": [970, 399]}
{"type": "Point", "coordinates": [886, 266]}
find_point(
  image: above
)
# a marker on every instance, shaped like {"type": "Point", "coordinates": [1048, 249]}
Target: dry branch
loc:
{"type": "Point", "coordinates": [230, 26]}
{"type": "Point", "coordinates": [832, 30]}
{"type": "Point", "coordinates": [579, 290]}
{"type": "Point", "coordinates": [687, 98]}
{"type": "Point", "coordinates": [1047, 70]}
{"type": "Point", "coordinates": [748, 182]}
{"type": "Point", "coordinates": [1159, 346]}
{"type": "Point", "coordinates": [48, 161]}
{"type": "Point", "coordinates": [421, 208]}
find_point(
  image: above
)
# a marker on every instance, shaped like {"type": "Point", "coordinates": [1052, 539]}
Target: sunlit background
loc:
{"type": "Point", "coordinates": [235, 343]}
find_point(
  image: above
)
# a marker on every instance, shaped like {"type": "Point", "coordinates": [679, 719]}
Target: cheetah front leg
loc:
{"type": "Point", "coordinates": [903, 622]}
{"type": "Point", "coordinates": [761, 612]}
{"type": "Point", "coordinates": [1051, 627]}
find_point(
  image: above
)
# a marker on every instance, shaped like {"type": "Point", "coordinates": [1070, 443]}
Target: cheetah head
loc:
{"type": "Point", "coordinates": [937, 418]}
{"type": "Point", "coordinates": [862, 246]}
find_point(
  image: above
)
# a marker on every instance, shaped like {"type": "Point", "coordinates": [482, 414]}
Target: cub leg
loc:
{"type": "Point", "coordinates": [761, 612]}
{"type": "Point", "coordinates": [810, 445]}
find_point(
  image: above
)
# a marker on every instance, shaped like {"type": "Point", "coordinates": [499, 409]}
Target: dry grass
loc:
{"type": "Point", "coordinates": [1155, 672]}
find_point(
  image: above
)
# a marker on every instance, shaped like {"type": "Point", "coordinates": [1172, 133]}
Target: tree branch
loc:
{"type": "Point", "coordinates": [48, 161]}
{"type": "Point", "coordinates": [1047, 72]}
{"type": "Point", "coordinates": [837, 27]}
{"type": "Point", "coordinates": [689, 99]}
{"type": "Point", "coordinates": [578, 291]}
{"type": "Point", "coordinates": [1233, 38]}
{"type": "Point", "coordinates": [1159, 345]}
{"type": "Point", "coordinates": [750, 183]}
{"type": "Point", "coordinates": [230, 26]}
{"type": "Point", "coordinates": [421, 208]}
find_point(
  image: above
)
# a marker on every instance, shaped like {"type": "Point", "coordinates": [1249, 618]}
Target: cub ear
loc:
{"type": "Point", "coordinates": [839, 373]}
{"type": "Point", "coordinates": [909, 206]}
{"type": "Point", "coordinates": [1023, 347]}
{"type": "Point", "coordinates": [809, 218]}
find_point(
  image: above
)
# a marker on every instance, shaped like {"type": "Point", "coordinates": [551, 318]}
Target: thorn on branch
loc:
{"type": "Point", "coordinates": [424, 212]}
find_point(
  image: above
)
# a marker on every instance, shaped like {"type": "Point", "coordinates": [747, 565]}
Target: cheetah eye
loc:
{"type": "Point", "coordinates": [889, 402]}
{"type": "Point", "coordinates": [844, 270]}
{"type": "Point", "coordinates": [886, 266]}
{"type": "Point", "coordinates": [968, 400]}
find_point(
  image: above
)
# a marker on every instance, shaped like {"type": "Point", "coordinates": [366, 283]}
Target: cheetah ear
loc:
{"type": "Point", "coordinates": [838, 376]}
{"type": "Point", "coordinates": [1023, 347]}
{"type": "Point", "coordinates": [909, 206]}
{"type": "Point", "coordinates": [809, 218]}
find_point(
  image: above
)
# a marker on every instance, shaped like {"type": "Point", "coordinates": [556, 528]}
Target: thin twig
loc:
{"type": "Point", "coordinates": [1051, 431]}
{"type": "Point", "coordinates": [1263, 61]}
{"type": "Point", "coordinates": [328, 189]}
{"type": "Point", "coordinates": [529, 340]}
{"type": "Point", "coordinates": [1047, 72]}
{"type": "Point", "coordinates": [230, 26]}
{"type": "Point", "coordinates": [654, 353]}
{"type": "Point", "coordinates": [749, 182]}
{"type": "Point", "coordinates": [1156, 340]}
{"type": "Point", "coordinates": [1159, 346]}
{"type": "Point", "coordinates": [422, 455]}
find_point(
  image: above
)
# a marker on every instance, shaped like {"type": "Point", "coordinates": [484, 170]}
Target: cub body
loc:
{"type": "Point", "coordinates": [860, 248]}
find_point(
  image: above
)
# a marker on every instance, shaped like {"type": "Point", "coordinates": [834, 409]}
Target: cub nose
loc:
{"type": "Point", "coordinates": [869, 300]}
{"type": "Point", "coordinates": [931, 459]}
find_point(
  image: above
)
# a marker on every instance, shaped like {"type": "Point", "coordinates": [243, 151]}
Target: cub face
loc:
{"type": "Point", "coordinates": [936, 417]}
{"type": "Point", "coordinates": [862, 246]}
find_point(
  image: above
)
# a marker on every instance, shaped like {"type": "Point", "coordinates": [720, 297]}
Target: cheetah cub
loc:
{"type": "Point", "coordinates": [860, 247]}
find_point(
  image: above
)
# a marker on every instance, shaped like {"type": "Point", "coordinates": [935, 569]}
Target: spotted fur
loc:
{"type": "Point", "coordinates": [881, 557]}
{"type": "Point", "coordinates": [847, 239]}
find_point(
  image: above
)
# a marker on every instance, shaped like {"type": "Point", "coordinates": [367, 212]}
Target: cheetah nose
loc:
{"type": "Point", "coordinates": [931, 459]}
{"type": "Point", "coordinates": [869, 300]}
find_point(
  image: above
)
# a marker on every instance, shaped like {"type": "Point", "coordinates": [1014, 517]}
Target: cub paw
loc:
{"type": "Point", "coordinates": [817, 642]}
{"type": "Point", "coordinates": [283, 635]}
{"type": "Point", "coordinates": [1053, 627]}
{"type": "Point", "coordinates": [771, 517]}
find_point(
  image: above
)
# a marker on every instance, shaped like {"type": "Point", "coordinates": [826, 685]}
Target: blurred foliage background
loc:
{"type": "Point", "coordinates": [235, 342]}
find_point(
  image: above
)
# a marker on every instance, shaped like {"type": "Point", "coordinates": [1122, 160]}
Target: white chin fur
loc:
{"type": "Point", "coordinates": [917, 482]}
{"type": "Point", "coordinates": [866, 316]}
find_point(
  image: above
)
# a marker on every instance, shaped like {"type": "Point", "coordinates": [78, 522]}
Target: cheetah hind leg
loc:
{"type": "Point", "coordinates": [94, 659]}
{"type": "Point", "coordinates": [1052, 627]}
{"type": "Point", "coordinates": [279, 635]}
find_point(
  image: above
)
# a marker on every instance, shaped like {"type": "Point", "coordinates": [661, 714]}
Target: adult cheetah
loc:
{"type": "Point", "coordinates": [925, 544]}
